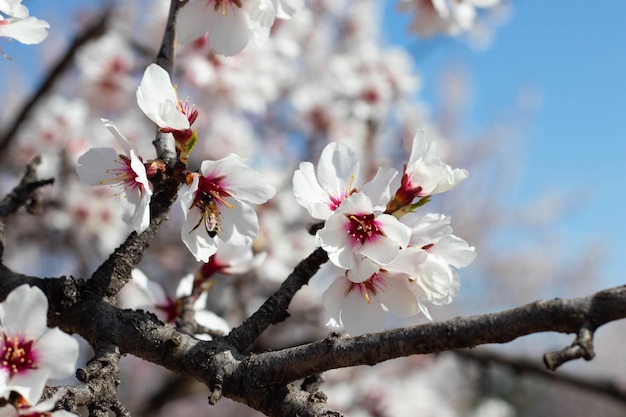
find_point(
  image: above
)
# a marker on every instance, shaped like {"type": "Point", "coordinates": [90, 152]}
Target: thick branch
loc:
{"type": "Point", "coordinates": [262, 380]}
{"type": "Point", "coordinates": [564, 316]}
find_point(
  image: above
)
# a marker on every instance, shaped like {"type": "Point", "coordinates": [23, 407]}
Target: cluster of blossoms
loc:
{"type": "Point", "coordinates": [31, 354]}
{"type": "Point", "coordinates": [15, 23]}
{"type": "Point", "coordinates": [395, 258]}
{"type": "Point", "coordinates": [214, 201]}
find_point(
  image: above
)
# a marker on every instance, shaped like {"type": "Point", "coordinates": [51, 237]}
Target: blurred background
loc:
{"type": "Point", "coordinates": [530, 97]}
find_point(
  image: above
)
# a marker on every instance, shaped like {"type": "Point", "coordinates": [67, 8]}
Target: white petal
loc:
{"type": "Point", "coordinates": [455, 251]}
{"type": "Point", "coordinates": [379, 188]}
{"type": "Point", "coordinates": [93, 166]}
{"type": "Point", "coordinates": [126, 145]}
{"type": "Point", "coordinates": [13, 8]}
{"type": "Point", "coordinates": [28, 30]}
{"type": "Point", "coordinates": [157, 99]}
{"type": "Point", "coordinates": [399, 298]}
{"type": "Point", "coordinates": [229, 33]}
{"type": "Point", "coordinates": [338, 169]}
{"type": "Point", "coordinates": [334, 297]}
{"type": "Point", "coordinates": [249, 185]}
{"type": "Point", "coordinates": [383, 250]}
{"type": "Point", "coordinates": [363, 270]}
{"type": "Point", "coordinates": [192, 20]}
{"type": "Point", "coordinates": [394, 230]}
{"type": "Point", "coordinates": [334, 234]}
{"type": "Point", "coordinates": [59, 353]}
{"type": "Point", "coordinates": [240, 224]}
{"type": "Point", "coordinates": [308, 192]}
{"type": "Point", "coordinates": [359, 317]}
{"type": "Point", "coordinates": [25, 310]}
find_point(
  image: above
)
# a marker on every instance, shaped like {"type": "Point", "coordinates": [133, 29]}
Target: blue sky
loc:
{"type": "Point", "coordinates": [572, 54]}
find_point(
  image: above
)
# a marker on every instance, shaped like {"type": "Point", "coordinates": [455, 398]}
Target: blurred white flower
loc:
{"type": "Point", "coordinates": [444, 16]}
{"type": "Point", "coordinates": [230, 23]}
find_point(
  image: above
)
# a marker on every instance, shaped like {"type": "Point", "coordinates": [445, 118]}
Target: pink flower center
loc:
{"type": "Point", "coordinates": [124, 174]}
{"type": "Point", "coordinates": [363, 227]}
{"type": "Point", "coordinates": [17, 354]}
{"type": "Point", "coordinates": [370, 287]}
{"type": "Point", "coordinates": [211, 188]}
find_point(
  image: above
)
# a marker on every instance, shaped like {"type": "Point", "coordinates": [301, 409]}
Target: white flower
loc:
{"type": "Point", "coordinates": [142, 293]}
{"type": "Point", "coordinates": [355, 231]}
{"type": "Point", "coordinates": [104, 166]}
{"type": "Point", "coordinates": [31, 352]}
{"type": "Point", "coordinates": [230, 23]}
{"type": "Point", "coordinates": [337, 178]}
{"type": "Point", "coordinates": [19, 25]}
{"type": "Point", "coordinates": [427, 172]}
{"type": "Point", "coordinates": [437, 280]}
{"type": "Point", "coordinates": [231, 259]}
{"type": "Point", "coordinates": [157, 98]}
{"type": "Point", "coordinates": [13, 8]}
{"type": "Point", "coordinates": [360, 306]}
{"type": "Point", "coordinates": [215, 205]}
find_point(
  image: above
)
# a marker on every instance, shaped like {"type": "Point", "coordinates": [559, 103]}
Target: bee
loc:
{"type": "Point", "coordinates": [210, 215]}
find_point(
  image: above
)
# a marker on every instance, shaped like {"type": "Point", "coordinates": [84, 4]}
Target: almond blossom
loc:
{"type": "Point", "coordinates": [157, 98]}
{"type": "Point", "coordinates": [337, 178]}
{"type": "Point", "coordinates": [215, 205]}
{"type": "Point", "coordinates": [357, 231]}
{"type": "Point", "coordinates": [360, 305]}
{"type": "Point", "coordinates": [230, 23]}
{"type": "Point", "coordinates": [425, 174]}
{"type": "Point", "coordinates": [437, 280]}
{"type": "Point", "coordinates": [423, 272]}
{"type": "Point", "coordinates": [31, 352]}
{"type": "Point", "coordinates": [143, 293]}
{"type": "Point", "coordinates": [105, 166]}
{"type": "Point", "coordinates": [19, 25]}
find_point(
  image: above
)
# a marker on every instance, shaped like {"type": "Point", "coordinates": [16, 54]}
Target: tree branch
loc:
{"type": "Point", "coordinates": [564, 316]}
{"type": "Point", "coordinates": [263, 380]}
{"type": "Point", "coordinates": [525, 366]}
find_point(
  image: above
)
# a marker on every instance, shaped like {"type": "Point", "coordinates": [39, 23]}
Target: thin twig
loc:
{"type": "Point", "coordinates": [604, 387]}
